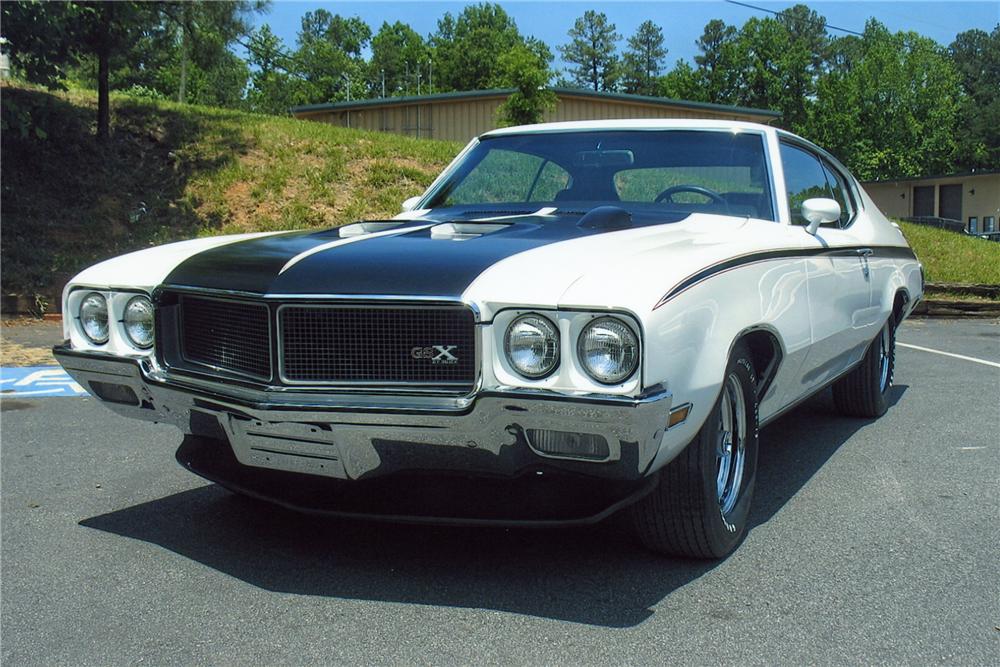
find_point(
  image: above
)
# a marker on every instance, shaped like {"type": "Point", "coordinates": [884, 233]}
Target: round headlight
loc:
{"type": "Point", "coordinates": [94, 318]}
{"type": "Point", "coordinates": [532, 346]}
{"type": "Point", "coordinates": [138, 321]}
{"type": "Point", "coordinates": [608, 350]}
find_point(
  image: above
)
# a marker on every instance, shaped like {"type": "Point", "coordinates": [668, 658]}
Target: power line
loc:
{"type": "Point", "coordinates": [771, 11]}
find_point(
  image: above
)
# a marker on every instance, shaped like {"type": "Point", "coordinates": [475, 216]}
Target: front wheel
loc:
{"type": "Point", "coordinates": [700, 507]}
{"type": "Point", "coordinates": [864, 391]}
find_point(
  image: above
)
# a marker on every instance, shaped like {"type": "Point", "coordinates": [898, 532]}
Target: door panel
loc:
{"type": "Point", "coordinates": [923, 201]}
{"type": "Point", "coordinates": [838, 279]}
{"type": "Point", "coordinates": [950, 204]}
{"type": "Point", "coordinates": [840, 307]}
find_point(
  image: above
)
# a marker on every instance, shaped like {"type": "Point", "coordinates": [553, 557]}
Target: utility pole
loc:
{"type": "Point", "coordinates": [418, 79]}
{"type": "Point", "coordinates": [430, 78]}
{"type": "Point", "coordinates": [383, 83]}
{"type": "Point", "coordinates": [406, 81]}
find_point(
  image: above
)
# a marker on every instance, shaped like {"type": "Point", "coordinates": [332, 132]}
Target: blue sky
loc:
{"type": "Point", "coordinates": [682, 22]}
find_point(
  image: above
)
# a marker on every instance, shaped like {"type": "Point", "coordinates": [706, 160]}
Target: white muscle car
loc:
{"type": "Point", "coordinates": [575, 319]}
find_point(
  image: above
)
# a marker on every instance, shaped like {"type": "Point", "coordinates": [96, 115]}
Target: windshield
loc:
{"type": "Point", "coordinates": [680, 171]}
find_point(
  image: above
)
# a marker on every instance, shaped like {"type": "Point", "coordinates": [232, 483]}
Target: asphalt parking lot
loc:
{"type": "Point", "coordinates": [872, 542]}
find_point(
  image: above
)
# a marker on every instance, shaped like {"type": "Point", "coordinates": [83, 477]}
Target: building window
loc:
{"type": "Point", "coordinates": [989, 224]}
{"type": "Point", "coordinates": [973, 224]}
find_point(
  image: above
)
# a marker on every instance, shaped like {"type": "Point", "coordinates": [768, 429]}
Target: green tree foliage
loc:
{"type": "Point", "coordinates": [326, 66]}
{"type": "Point", "coordinates": [771, 62]}
{"type": "Point", "coordinates": [206, 30]}
{"type": "Point", "coordinates": [467, 49]}
{"type": "Point", "coordinates": [643, 59]}
{"type": "Point", "coordinates": [348, 35]}
{"type": "Point", "coordinates": [275, 86]}
{"type": "Point", "coordinates": [592, 52]}
{"type": "Point", "coordinates": [889, 108]}
{"type": "Point", "coordinates": [682, 83]}
{"type": "Point", "coordinates": [718, 62]}
{"type": "Point", "coordinates": [329, 56]}
{"type": "Point", "coordinates": [976, 55]}
{"type": "Point", "coordinates": [168, 48]}
{"type": "Point", "coordinates": [182, 53]}
{"type": "Point", "coordinates": [46, 39]}
{"type": "Point", "coordinates": [395, 49]}
{"type": "Point", "coordinates": [528, 73]}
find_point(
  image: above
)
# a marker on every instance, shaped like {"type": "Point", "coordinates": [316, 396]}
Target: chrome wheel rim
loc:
{"type": "Point", "coordinates": [730, 452]}
{"type": "Point", "coordinates": [883, 357]}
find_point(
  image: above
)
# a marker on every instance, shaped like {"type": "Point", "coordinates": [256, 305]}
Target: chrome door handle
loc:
{"type": "Point", "coordinates": [864, 254]}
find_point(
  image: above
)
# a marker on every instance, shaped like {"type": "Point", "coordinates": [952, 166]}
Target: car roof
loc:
{"type": "Point", "coordinates": [631, 124]}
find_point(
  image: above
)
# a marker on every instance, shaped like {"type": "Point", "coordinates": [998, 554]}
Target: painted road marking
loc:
{"type": "Point", "coordinates": [37, 382]}
{"type": "Point", "coordinates": [951, 354]}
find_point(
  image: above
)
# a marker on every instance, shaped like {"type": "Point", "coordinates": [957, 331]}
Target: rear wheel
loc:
{"type": "Point", "coordinates": [864, 391]}
{"type": "Point", "coordinates": [700, 507]}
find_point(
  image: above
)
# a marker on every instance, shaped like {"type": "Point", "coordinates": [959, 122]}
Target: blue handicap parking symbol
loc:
{"type": "Point", "coordinates": [37, 382]}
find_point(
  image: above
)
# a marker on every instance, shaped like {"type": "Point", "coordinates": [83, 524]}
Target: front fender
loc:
{"type": "Point", "coordinates": [690, 339]}
{"type": "Point", "coordinates": [143, 270]}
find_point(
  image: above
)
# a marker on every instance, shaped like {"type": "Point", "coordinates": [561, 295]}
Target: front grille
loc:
{"type": "Point", "coordinates": [228, 335]}
{"type": "Point", "coordinates": [377, 345]}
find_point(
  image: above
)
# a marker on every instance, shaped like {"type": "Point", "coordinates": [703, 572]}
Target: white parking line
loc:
{"type": "Point", "coordinates": [951, 354]}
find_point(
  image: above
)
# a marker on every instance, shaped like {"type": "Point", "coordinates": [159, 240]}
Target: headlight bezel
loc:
{"type": "Point", "coordinates": [116, 298]}
{"type": "Point", "coordinates": [569, 376]}
{"type": "Point", "coordinates": [635, 357]}
{"type": "Point", "coordinates": [81, 320]}
{"type": "Point", "coordinates": [555, 342]}
{"type": "Point", "coordinates": [139, 298]}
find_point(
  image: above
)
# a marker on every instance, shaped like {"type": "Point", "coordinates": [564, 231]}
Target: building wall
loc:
{"type": "Point", "coordinates": [461, 120]}
{"type": "Point", "coordinates": [895, 199]}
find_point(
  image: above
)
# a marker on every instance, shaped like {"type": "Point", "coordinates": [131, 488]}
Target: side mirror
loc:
{"type": "Point", "coordinates": [411, 204]}
{"type": "Point", "coordinates": [819, 211]}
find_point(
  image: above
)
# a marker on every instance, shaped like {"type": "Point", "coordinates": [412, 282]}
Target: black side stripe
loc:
{"type": "Point", "coordinates": [886, 252]}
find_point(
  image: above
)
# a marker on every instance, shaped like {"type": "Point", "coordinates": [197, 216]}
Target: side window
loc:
{"type": "Point", "coordinates": [841, 193]}
{"type": "Point", "coordinates": [521, 176]}
{"type": "Point", "coordinates": [804, 179]}
{"type": "Point", "coordinates": [551, 180]}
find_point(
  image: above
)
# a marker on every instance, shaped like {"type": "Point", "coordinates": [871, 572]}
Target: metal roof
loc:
{"type": "Point", "coordinates": [962, 174]}
{"type": "Point", "coordinates": [504, 92]}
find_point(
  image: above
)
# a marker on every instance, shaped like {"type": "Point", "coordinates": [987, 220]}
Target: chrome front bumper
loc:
{"type": "Point", "coordinates": [361, 436]}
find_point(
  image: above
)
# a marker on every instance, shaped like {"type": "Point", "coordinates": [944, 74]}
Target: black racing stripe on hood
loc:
{"type": "Point", "coordinates": [408, 263]}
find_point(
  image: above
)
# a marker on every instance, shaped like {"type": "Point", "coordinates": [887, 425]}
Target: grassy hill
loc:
{"type": "Point", "coordinates": [953, 258]}
{"type": "Point", "coordinates": [175, 171]}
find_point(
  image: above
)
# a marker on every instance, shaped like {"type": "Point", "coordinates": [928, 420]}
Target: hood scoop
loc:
{"type": "Point", "coordinates": [463, 231]}
{"type": "Point", "coordinates": [606, 217]}
{"type": "Point", "coordinates": [362, 228]}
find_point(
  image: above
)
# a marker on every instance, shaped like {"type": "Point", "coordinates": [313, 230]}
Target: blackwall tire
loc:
{"type": "Point", "coordinates": [701, 505]}
{"type": "Point", "coordinates": [864, 391]}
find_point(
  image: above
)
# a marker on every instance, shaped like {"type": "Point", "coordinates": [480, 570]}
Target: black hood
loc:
{"type": "Point", "coordinates": [409, 260]}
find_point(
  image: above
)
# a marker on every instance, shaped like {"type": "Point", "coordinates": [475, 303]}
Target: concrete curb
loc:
{"type": "Point", "coordinates": [957, 309]}
{"type": "Point", "coordinates": [985, 291]}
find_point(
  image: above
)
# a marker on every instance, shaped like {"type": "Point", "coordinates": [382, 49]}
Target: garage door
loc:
{"type": "Point", "coordinates": [923, 201]}
{"type": "Point", "coordinates": [950, 202]}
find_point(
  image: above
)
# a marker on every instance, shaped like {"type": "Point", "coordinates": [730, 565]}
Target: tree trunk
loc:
{"type": "Point", "coordinates": [182, 88]}
{"type": "Point", "coordinates": [185, 53]}
{"type": "Point", "coordinates": [103, 72]}
{"type": "Point", "coordinates": [103, 98]}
